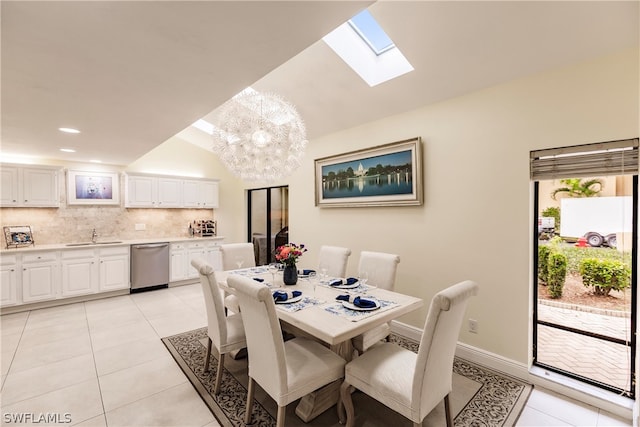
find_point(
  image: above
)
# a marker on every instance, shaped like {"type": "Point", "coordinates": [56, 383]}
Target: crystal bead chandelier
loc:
{"type": "Point", "coordinates": [259, 136]}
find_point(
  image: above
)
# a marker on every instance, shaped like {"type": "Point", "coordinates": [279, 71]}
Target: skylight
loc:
{"type": "Point", "coordinates": [368, 50]}
{"type": "Point", "coordinates": [371, 32]}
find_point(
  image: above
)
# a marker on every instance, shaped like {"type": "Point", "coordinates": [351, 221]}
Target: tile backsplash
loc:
{"type": "Point", "coordinates": [70, 223]}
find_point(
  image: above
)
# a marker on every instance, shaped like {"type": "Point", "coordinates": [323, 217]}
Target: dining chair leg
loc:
{"type": "Point", "coordinates": [447, 411]}
{"type": "Point", "coordinates": [216, 387]}
{"type": "Point", "coordinates": [250, 392]}
{"type": "Point", "coordinates": [282, 410]}
{"type": "Point", "coordinates": [347, 403]}
{"type": "Point", "coordinates": [206, 360]}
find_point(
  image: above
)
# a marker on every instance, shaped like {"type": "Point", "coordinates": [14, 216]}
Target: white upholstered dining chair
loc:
{"type": "Point", "coordinates": [409, 383]}
{"type": "Point", "coordinates": [285, 370]}
{"type": "Point", "coordinates": [232, 253]}
{"type": "Point", "coordinates": [225, 332]}
{"type": "Point", "coordinates": [333, 259]}
{"type": "Point", "coordinates": [381, 272]}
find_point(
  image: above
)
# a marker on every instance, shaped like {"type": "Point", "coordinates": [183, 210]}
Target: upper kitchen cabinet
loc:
{"type": "Point", "coordinates": [200, 194]}
{"type": "Point", "coordinates": [29, 186]}
{"type": "Point", "coordinates": [145, 191]}
{"type": "Point", "coordinates": [152, 191]}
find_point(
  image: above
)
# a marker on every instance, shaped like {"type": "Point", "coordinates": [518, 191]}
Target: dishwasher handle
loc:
{"type": "Point", "coordinates": [150, 246]}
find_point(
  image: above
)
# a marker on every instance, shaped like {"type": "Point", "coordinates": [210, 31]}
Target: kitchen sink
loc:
{"type": "Point", "coordinates": [91, 243]}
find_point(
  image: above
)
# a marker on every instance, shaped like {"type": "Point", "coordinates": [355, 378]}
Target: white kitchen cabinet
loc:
{"type": "Point", "coordinates": [9, 190]}
{"type": "Point", "coordinates": [200, 194]}
{"type": "Point", "coordinates": [178, 268]}
{"type": "Point", "coordinates": [194, 250]}
{"type": "Point", "coordinates": [145, 191]}
{"type": "Point", "coordinates": [213, 256]}
{"type": "Point", "coordinates": [114, 268]}
{"type": "Point", "coordinates": [40, 276]}
{"type": "Point", "coordinates": [8, 280]}
{"type": "Point", "coordinates": [79, 272]}
{"type": "Point", "coordinates": [33, 186]}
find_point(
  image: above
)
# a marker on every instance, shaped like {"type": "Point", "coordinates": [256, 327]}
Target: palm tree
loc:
{"type": "Point", "coordinates": [576, 187]}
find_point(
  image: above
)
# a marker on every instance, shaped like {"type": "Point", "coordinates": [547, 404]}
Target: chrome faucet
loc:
{"type": "Point", "coordinates": [94, 236]}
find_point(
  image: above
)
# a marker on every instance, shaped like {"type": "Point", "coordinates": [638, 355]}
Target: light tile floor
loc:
{"type": "Point", "coordinates": [102, 363]}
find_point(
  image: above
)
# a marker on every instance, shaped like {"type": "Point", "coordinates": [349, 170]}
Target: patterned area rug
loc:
{"type": "Point", "coordinates": [480, 397]}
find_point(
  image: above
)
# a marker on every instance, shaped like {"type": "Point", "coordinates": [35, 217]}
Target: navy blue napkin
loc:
{"type": "Point", "coordinates": [306, 272]}
{"type": "Point", "coordinates": [348, 281]}
{"type": "Point", "coordinates": [357, 301]}
{"type": "Point", "coordinates": [258, 279]}
{"type": "Point", "coordinates": [283, 296]}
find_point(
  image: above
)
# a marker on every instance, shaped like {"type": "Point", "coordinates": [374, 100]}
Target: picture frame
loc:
{"type": "Point", "coordinates": [18, 236]}
{"type": "Point", "coordinates": [93, 188]}
{"type": "Point", "coordinates": [384, 175]}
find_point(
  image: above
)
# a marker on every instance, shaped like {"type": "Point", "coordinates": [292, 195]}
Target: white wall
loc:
{"type": "Point", "coordinates": [476, 219]}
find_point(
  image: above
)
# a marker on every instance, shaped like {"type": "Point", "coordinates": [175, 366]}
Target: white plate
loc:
{"type": "Point", "coordinates": [350, 306]}
{"type": "Point", "coordinates": [290, 300]}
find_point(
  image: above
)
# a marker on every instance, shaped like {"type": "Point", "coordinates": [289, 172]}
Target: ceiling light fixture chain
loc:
{"type": "Point", "coordinates": [259, 136]}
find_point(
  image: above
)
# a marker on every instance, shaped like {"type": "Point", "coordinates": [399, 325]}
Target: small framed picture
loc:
{"type": "Point", "coordinates": [18, 236]}
{"type": "Point", "coordinates": [93, 188]}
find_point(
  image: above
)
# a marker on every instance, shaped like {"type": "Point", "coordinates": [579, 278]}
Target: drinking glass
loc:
{"type": "Point", "coordinates": [363, 277]}
{"type": "Point", "coordinates": [273, 268]}
{"type": "Point", "coordinates": [313, 279]}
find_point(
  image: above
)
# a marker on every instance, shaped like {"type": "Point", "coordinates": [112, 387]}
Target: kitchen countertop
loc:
{"type": "Point", "coordinates": [64, 246]}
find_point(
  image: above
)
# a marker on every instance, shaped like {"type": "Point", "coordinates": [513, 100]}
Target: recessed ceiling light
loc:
{"type": "Point", "coordinates": [68, 150]}
{"type": "Point", "coordinates": [69, 130]}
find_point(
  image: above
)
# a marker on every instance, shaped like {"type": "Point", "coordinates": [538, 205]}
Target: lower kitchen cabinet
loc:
{"type": "Point", "coordinates": [79, 272]}
{"type": "Point", "coordinates": [8, 280]}
{"type": "Point", "coordinates": [183, 252]}
{"type": "Point", "coordinates": [40, 277]}
{"type": "Point", "coordinates": [114, 268]}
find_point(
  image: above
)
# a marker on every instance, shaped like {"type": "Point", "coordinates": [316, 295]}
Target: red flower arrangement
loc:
{"type": "Point", "coordinates": [288, 254]}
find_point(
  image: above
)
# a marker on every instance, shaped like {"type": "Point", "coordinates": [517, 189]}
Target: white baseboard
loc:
{"type": "Point", "coordinates": [573, 389]}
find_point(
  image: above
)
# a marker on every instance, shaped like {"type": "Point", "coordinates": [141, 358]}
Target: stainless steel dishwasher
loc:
{"type": "Point", "coordinates": [149, 266]}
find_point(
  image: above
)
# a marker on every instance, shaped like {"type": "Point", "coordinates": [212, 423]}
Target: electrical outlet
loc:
{"type": "Point", "coordinates": [473, 326]}
{"type": "Point", "coordinates": [140, 227]}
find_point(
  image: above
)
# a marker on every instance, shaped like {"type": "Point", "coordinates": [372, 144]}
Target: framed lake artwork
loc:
{"type": "Point", "coordinates": [385, 175]}
{"type": "Point", "coordinates": [93, 188]}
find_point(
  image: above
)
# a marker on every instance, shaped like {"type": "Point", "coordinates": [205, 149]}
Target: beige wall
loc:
{"type": "Point", "coordinates": [476, 220]}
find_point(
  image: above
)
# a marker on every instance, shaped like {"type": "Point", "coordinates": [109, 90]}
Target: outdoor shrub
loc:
{"type": "Point", "coordinates": [604, 275]}
{"type": "Point", "coordinates": [575, 255]}
{"type": "Point", "coordinates": [543, 258]}
{"type": "Point", "coordinates": [557, 272]}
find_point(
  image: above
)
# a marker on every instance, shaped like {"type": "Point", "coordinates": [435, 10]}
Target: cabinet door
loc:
{"type": "Point", "coordinates": [9, 186]}
{"type": "Point", "coordinates": [190, 193]}
{"type": "Point", "coordinates": [209, 194]}
{"type": "Point", "coordinates": [39, 281]}
{"type": "Point", "coordinates": [197, 252]}
{"type": "Point", "coordinates": [8, 283]}
{"type": "Point", "coordinates": [40, 187]}
{"type": "Point", "coordinates": [169, 193]}
{"type": "Point", "coordinates": [142, 191]}
{"type": "Point", "coordinates": [114, 273]}
{"type": "Point", "coordinates": [79, 276]}
{"type": "Point", "coordinates": [178, 270]}
{"type": "Point", "coordinates": [214, 257]}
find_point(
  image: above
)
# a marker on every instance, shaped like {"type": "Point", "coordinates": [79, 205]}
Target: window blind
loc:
{"type": "Point", "coordinates": [603, 158]}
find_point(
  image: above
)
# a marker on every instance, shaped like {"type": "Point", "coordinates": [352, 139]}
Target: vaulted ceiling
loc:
{"type": "Point", "coordinates": [131, 75]}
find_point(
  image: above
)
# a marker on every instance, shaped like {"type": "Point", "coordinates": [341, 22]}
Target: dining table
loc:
{"type": "Point", "coordinates": [317, 314]}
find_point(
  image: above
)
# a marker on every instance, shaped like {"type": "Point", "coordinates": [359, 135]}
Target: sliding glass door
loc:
{"type": "Point", "coordinates": [268, 219]}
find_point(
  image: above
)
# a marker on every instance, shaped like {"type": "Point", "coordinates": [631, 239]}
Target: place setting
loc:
{"type": "Point", "coordinates": [293, 300]}
{"type": "Point", "coordinates": [358, 307]}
